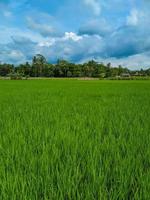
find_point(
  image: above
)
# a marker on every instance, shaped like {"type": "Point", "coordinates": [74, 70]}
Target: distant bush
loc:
{"type": "Point", "coordinates": [26, 77]}
{"type": "Point", "coordinates": [128, 78]}
{"type": "Point", "coordinates": [17, 76]}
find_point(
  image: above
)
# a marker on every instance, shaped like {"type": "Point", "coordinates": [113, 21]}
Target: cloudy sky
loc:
{"type": "Point", "coordinates": [115, 31]}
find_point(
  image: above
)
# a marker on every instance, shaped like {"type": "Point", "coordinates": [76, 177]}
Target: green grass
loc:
{"type": "Point", "coordinates": [71, 139]}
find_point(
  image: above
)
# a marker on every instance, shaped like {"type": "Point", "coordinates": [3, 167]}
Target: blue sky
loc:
{"type": "Point", "coordinates": [113, 31]}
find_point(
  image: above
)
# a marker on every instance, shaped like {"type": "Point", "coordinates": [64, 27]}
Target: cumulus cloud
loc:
{"type": "Point", "coordinates": [20, 49]}
{"type": "Point", "coordinates": [73, 48]}
{"type": "Point", "coordinates": [130, 52]}
{"type": "Point", "coordinates": [7, 33]}
{"type": "Point", "coordinates": [70, 46]}
{"type": "Point", "coordinates": [95, 27]}
{"type": "Point", "coordinates": [136, 61]}
{"type": "Point", "coordinates": [12, 56]}
{"type": "Point", "coordinates": [44, 29]}
{"type": "Point", "coordinates": [124, 40]}
{"type": "Point", "coordinates": [72, 36]}
{"type": "Point", "coordinates": [16, 56]}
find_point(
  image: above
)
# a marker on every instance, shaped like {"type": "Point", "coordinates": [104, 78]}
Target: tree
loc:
{"type": "Point", "coordinates": [108, 70]}
{"type": "Point", "coordinates": [64, 68]}
{"type": "Point", "coordinates": [6, 69]}
{"type": "Point", "coordinates": [38, 64]}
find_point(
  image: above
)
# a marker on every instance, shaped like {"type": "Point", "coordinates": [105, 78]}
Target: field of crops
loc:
{"type": "Point", "coordinates": [74, 139]}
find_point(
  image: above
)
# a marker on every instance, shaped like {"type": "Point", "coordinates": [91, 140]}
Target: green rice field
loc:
{"type": "Point", "coordinates": [74, 139]}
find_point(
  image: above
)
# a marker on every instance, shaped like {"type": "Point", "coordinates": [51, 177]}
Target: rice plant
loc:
{"type": "Point", "coordinates": [74, 139]}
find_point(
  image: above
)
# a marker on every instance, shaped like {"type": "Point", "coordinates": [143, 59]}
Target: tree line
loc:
{"type": "Point", "coordinates": [41, 68]}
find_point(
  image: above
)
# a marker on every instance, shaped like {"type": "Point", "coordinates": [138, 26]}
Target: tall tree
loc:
{"type": "Point", "coordinates": [38, 64]}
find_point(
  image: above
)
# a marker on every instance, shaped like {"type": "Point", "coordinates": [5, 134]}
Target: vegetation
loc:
{"type": "Point", "coordinates": [74, 139]}
{"type": "Point", "coordinates": [40, 68]}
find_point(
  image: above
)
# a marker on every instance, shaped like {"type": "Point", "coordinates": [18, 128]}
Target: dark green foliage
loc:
{"type": "Point", "coordinates": [6, 69]}
{"type": "Point", "coordinates": [40, 68]}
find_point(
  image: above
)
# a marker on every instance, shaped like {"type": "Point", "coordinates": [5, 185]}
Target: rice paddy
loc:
{"type": "Point", "coordinates": [74, 139]}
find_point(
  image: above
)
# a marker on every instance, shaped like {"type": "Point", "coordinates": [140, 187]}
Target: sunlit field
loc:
{"type": "Point", "coordinates": [74, 139]}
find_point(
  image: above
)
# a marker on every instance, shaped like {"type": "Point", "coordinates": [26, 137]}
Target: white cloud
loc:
{"type": "Point", "coordinates": [94, 5]}
{"type": "Point", "coordinates": [6, 34]}
{"type": "Point", "coordinates": [125, 42]}
{"type": "Point", "coordinates": [72, 36]}
{"type": "Point", "coordinates": [46, 43]}
{"type": "Point", "coordinates": [136, 61]}
{"type": "Point", "coordinates": [132, 19]}
{"type": "Point", "coordinates": [16, 55]}
{"type": "Point", "coordinates": [12, 56]}
{"type": "Point", "coordinates": [45, 30]}
{"type": "Point", "coordinates": [133, 62]}
{"type": "Point", "coordinates": [72, 48]}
